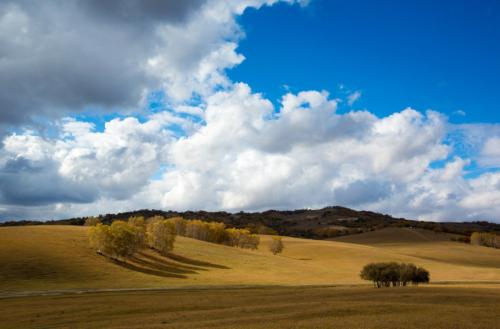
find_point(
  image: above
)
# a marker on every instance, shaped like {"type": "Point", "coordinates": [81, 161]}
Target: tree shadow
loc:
{"type": "Point", "coordinates": [150, 271]}
{"type": "Point", "coordinates": [170, 266]}
{"type": "Point", "coordinates": [164, 260]}
{"type": "Point", "coordinates": [161, 266]}
{"type": "Point", "coordinates": [186, 260]}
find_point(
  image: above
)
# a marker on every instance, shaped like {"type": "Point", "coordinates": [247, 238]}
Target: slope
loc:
{"type": "Point", "coordinates": [58, 257]}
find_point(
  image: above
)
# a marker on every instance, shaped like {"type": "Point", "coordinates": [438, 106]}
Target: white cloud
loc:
{"type": "Point", "coordinates": [248, 155]}
{"type": "Point", "coordinates": [232, 149]}
{"type": "Point", "coordinates": [490, 153]}
{"type": "Point", "coordinates": [353, 97]}
{"type": "Point", "coordinates": [61, 57]}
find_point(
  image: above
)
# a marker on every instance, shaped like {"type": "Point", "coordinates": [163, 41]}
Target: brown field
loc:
{"type": "Point", "coordinates": [267, 307]}
{"type": "Point", "coordinates": [313, 284]}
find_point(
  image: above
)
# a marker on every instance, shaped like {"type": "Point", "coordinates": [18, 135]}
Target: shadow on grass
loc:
{"type": "Point", "coordinates": [195, 262]}
{"type": "Point", "coordinates": [166, 260]}
{"type": "Point", "coordinates": [161, 266]}
{"type": "Point", "coordinates": [150, 271]}
{"type": "Point", "coordinates": [170, 266]}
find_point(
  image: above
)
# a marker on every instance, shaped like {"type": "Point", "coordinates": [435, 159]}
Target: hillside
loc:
{"type": "Point", "coordinates": [58, 257]}
{"type": "Point", "coordinates": [322, 223]}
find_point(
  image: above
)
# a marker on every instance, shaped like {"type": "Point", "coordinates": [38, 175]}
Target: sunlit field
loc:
{"type": "Point", "coordinates": [59, 257]}
{"type": "Point", "coordinates": [51, 278]}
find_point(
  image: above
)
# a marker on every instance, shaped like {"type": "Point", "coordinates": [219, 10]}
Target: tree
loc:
{"type": "Point", "coordinates": [371, 272]}
{"type": "Point", "coordinates": [99, 239]}
{"type": "Point", "coordinates": [118, 241]}
{"type": "Point", "coordinates": [92, 221]}
{"type": "Point", "coordinates": [407, 273]}
{"type": "Point", "coordinates": [276, 246]}
{"type": "Point", "coordinates": [139, 224]}
{"type": "Point", "coordinates": [161, 235]}
{"type": "Point", "coordinates": [421, 276]}
{"type": "Point", "coordinates": [180, 225]}
{"type": "Point", "coordinates": [485, 239]}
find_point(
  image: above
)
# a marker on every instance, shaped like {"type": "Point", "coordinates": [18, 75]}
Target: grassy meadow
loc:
{"type": "Point", "coordinates": [59, 257]}
{"type": "Point", "coordinates": [51, 278]}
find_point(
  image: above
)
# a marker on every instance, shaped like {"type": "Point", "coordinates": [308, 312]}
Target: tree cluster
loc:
{"type": "Point", "coordinates": [215, 232]}
{"type": "Point", "coordinates": [485, 239]}
{"type": "Point", "coordinates": [395, 274]}
{"type": "Point", "coordinates": [121, 239]}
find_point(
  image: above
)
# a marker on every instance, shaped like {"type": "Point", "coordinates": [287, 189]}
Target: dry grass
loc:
{"type": "Point", "coordinates": [58, 257]}
{"type": "Point", "coordinates": [279, 307]}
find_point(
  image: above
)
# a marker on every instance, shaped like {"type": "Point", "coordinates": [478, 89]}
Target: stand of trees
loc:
{"type": "Point", "coordinates": [397, 274]}
{"type": "Point", "coordinates": [121, 239]}
{"type": "Point", "coordinates": [215, 232]}
{"type": "Point", "coordinates": [485, 239]}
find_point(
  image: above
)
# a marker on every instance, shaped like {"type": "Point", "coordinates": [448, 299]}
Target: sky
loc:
{"type": "Point", "coordinates": [251, 105]}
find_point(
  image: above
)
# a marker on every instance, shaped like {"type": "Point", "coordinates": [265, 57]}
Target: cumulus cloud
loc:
{"type": "Point", "coordinates": [81, 165]}
{"type": "Point", "coordinates": [490, 153]}
{"type": "Point", "coordinates": [63, 56]}
{"type": "Point", "coordinates": [230, 149]}
{"type": "Point", "coordinates": [242, 153]}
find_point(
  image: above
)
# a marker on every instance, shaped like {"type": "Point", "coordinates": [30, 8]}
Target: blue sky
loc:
{"type": "Point", "coordinates": [389, 106]}
{"type": "Point", "coordinates": [443, 55]}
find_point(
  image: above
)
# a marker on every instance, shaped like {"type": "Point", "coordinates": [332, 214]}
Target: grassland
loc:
{"type": "Point", "coordinates": [267, 307]}
{"type": "Point", "coordinates": [48, 275]}
{"type": "Point", "coordinates": [58, 257]}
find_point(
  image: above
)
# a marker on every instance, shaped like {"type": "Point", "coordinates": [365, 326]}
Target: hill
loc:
{"type": "Point", "coordinates": [58, 257]}
{"type": "Point", "coordinates": [323, 223]}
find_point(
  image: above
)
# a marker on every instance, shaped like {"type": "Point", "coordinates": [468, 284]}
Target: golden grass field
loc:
{"type": "Point", "coordinates": [58, 257]}
{"type": "Point", "coordinates": [313, 284]}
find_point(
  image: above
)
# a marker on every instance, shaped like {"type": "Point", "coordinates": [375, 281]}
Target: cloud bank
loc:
{"type": "Point", "coordinates": [215, 144]}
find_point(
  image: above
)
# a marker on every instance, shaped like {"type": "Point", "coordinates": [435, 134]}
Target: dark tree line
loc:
{"type": "Point", "coordinates": [395, 274]}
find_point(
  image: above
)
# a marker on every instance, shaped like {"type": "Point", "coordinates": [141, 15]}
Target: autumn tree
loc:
{"type": "Point", "coordinates": [180, 225]}
{"type": "Point", "coordinates": [118, 240]}
{"type": "Point", "coordinates": [92, 221]}
{"type": "Point", "coordinates": [276, 246]}
{"type": "Point", "coordinates": [99, 238]}
{"type": "Point", "coordinates": [139, 223]}
{"type": "Point", "coordinates": [160, 235]}
{"type": "Point", "coordinates": [485, 239]}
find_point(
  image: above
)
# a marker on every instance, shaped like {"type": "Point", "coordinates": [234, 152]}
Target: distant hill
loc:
{"type": "Point", "coordinates": [326, 223]}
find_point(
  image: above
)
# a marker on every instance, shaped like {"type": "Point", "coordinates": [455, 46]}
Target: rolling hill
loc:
{"type": "Point", "coordinates": [58, 257]}
{"type": "Point", "coordinates": [322, 223]}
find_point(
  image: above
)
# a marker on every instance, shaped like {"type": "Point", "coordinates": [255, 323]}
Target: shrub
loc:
{"type": "Point", "coordinates": [276, 246]}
